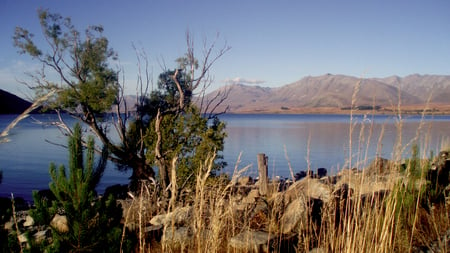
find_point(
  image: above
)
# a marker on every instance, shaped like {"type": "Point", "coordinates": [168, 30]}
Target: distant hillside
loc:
{"type": "Point", "coordinates": [12, 104]}
{"type": "Point", "coordinates": [333, 93]}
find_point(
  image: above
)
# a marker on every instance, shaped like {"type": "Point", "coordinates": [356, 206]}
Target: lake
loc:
{"type": "Point", "coordinates": [292, 143]}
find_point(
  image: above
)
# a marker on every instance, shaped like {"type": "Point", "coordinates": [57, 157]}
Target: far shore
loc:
{"type": "Point", "coordinates": [434, 109]}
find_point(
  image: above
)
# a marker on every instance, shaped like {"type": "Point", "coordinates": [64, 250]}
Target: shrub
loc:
{"type": "Point", "coordinates": [93, 224]}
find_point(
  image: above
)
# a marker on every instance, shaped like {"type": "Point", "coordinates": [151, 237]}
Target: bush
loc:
{"type": "Point", "coordinates": [93, 224]}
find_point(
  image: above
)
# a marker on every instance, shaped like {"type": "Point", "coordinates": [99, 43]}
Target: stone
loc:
{"type": "Point", "coordinates": [321, 172]}
{"type": "Point", "coordinates": [22, 238]}
{"type": "Point", "coordinates": [179, 216]}
{"type": "Point", "coordinates": [299, 212]}
{"type": "Point", "coordinates": [181, 236]}
{"type": "Point", "coordinates": [150, 229]}
{"type": "Point", "coordinates": [309, 188]}
{"type": "Point", "coordinates": [379, 166]}
{"type": "Point", "coordinates": [317, 250]}
{"type": "Point", "coordinates": [29, 221]}
{"type": "Point", "coordinates": [60, 223]}
{"type": "Point", "coordinates": [245, 180]}
{"type": "Point", "coordinates": [40, 236]}
{"type": "Point", "coordinates": [300, 175]}
{"type": "Point", "coordinates": [8, 225]}
{"type": "Point", "coordinates": [294, 212]}
{"type": "Point", "coordinates": [251, 241]}
{"type": "Point", "coordinates": [251, 197]}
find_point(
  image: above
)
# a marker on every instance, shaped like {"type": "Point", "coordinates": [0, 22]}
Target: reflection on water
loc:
{"type": "Point", "coordinates": [314, 140]}
{"type": "Point", "coordinates": [25, 159]}
{"type": "Point", "coordinates": [323, 140]}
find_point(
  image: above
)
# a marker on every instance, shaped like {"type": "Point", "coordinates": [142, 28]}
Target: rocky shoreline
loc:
{"type": "Point", "coordinates": [304, 200]}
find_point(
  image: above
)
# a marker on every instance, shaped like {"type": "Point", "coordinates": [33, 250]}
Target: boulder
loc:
{"type": "Point", "coordinates": [179, 237]}
{"type": "Point", "coordinates": [60, 223]}
{"type": "Point", "coordinates": [440, 170]}
{"type": "Point", "coordinates": [321, 172]}
{"type": "Point", "coordinates": [23, 238]}
{"type": "Point", "coordinates": [317, 250]}
{"type": "Point", "coordinates": [308, 188]}
{"type": "Point", "coordinates": [300, 175]}
{"type": "Point", "coordinates": [179, 217]}
{"type": "Point", "coordinates": [245, 180]}
{"type": "Point", "coordinates": [251, 241]}
{"type": "Point", "coordinates": [41, 235]}
{"type": "Point", "coordinates": [8, 225]}
{"type": "Point", "coordinates": [366, 182]}
{"type": "Point", "coordinates": [379, 166]}
{"type": "Point", "coordinates": [298, 214]}
{"type": "Point", "coordinates": [251, 197]}
{"type": "Point", "coordinates": [29, 221]}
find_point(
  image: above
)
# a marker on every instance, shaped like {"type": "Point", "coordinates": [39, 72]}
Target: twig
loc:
{"type": "Point", "coordinates": [15, 221]}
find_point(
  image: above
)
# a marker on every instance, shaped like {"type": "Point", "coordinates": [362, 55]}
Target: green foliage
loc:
{"type": "Point", "coordinates": [94, 224]}
{"type": "Point", "coordinates": [189, 137]}
{"type": "Point", "coordinates": [410, 194]}
{"type": "Point", "coordinates": [41, 213]}
{"type": "Point", "coordinates": [89, 81]}
{"type": "Point", "coordinates": [184, 133]}
{"type": "Point", "coordinates": [89, 87]}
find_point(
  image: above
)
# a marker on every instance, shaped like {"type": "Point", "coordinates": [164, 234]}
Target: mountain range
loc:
{"type": "Point", "coordinates": [338, 93]}
{"type": "Point", "coordinates": [318, 94]}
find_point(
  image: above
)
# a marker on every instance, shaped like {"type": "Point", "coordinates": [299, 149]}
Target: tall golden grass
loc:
{"type": "Point", "coordinates": [394, 221]}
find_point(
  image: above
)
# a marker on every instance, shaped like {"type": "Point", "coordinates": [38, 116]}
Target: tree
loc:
{"type": "Point", "coordinates": [93, 225]}
{"type": "Point", "coordinates": [89, 88]}
{"type": "Point", "coordinates": [179, 130]}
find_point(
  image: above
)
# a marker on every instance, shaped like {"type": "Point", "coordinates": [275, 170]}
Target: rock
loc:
{"type": "Point", "coordinates": [150, 229]}
{"type": "Point", "coordinates": [181, 236]}
{"type": "Point", "coordinates": [308, 188]}
{"type": "Point", "coordinates": [440, 171]}
{"type": "Point", "coordinates": [317, 250]}
{"type": "Point", "coordinates": [300, 175]}
{"type": "Point", "coordinates": [60, 223]}
{"type": "Point", "coordinates": [22, 238]}
{"type": "Point", "coordinates": [251, 197]}
{"type": "Point", "coordinates": [251, 241]}
{"type": "Point", "coordinates": [245, 180]}
{"type": "Point", "coordinates": [300, 212]}
{"type": "Point", "coordinates": [179, 217]}
{"type": "Point", "coordinates": [379, 166]}
{"type": "Point", "coordinates": [41, 235]}
{"type": "Point", "coordinates": [366, 182]}
{"type": "Point", "coordinates": [29, 221]}
{"type": "Point", "coordinates": [294, 212]}
{"type": "Point", "coordinates": [321, 172]}
{"type": "Point", "coordinates": [8, 225]}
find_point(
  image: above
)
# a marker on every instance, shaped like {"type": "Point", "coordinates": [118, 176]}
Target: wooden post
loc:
{"type": "Point", "coordinates": [263, 161]}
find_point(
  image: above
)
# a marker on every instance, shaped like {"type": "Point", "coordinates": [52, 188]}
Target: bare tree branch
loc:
{"type": "Point", "coordinates": [26, 113]}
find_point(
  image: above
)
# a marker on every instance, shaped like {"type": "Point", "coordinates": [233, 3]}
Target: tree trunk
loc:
{"type": "Point", "coordinates": [160, 160]}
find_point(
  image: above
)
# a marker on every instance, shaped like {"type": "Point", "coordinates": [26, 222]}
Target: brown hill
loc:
{"type": "Point", "coordinates": [335, 92]}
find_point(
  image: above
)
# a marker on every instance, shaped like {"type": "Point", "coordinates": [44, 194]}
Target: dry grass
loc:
{"type": "Point", "coordinates": [362, 219]}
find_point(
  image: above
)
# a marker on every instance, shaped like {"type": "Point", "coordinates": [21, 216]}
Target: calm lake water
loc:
{"type": "Point", "coordinates": [290, 141]}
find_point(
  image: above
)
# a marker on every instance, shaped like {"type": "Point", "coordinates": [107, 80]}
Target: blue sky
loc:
{"type": "Point", "coordinates": [273, 43]}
